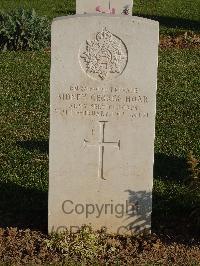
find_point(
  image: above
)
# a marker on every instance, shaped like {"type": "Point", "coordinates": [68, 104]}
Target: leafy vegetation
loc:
{"type": "Point", "coordinates": [83, 246]}
{"type": "Point", "coordinates": [194, 170]}
{"type": "Point", "coordinates": [23, 30]}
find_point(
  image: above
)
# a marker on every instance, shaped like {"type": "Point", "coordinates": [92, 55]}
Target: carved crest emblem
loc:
{"type": "Point", "coordinates": [104, 57]}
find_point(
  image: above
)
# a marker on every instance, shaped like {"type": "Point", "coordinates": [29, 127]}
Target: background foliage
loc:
{"type": "Point", "coordinates": [23, 30]}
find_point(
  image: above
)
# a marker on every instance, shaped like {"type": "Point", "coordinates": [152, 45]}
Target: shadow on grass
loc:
{"type": "Point", "coordinates": [170, 167]}
{"type": "Point", "coordinates": [175, 23]}
{"type": "Point", "coordinates": [171, 216]}
{"type": "Point", "coordinates": [173, 203]}
{"type": "Point", "coordinates": [23, 208]}
{"type": "Point", "coordinates": [41, 145]}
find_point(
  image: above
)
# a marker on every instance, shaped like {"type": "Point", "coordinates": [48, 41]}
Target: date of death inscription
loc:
{"type": "Point", "coordinates": [98, 102]}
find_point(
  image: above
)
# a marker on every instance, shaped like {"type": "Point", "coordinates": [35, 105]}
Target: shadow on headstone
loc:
{"type": "Point", "coordinates": [139, 218]}
{"type": "Point", "coordinates": [169, 216]}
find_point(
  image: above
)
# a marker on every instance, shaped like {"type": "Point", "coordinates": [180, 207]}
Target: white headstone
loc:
{"type": "Point", "coordinates": [104, 6]}
{"type": "Point", "coordinates": [103, 104]}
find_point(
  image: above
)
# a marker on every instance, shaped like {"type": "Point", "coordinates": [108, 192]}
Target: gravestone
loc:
{"type": "Point", "coordinates": [102, 122]}
{"type": "Point", "coordinates": [104, 6]}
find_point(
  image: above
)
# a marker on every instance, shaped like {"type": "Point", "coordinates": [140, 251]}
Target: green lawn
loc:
{"type": "Point", "coordinates": [24, 125]}
{"type": "Point", "coordinates": [174, 15]}
{"type": "Point", "coordinates": [49, 8]}
{"type": "Point", "coordinates": [24, 89]}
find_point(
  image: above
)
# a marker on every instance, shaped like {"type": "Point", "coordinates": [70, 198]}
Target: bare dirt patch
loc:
{"type": "Point", "coordinates": [186, 40]}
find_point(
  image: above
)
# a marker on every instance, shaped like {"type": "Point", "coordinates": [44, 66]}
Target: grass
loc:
{"type": "Point", "coordinates": [24, 88]}
{"type": "Point", "coordinates": [49, 8]}
{"type": "Point", "coordinates": [24, 125]}
{"type": "Point", "coordinates": [174, 16]}
{"type": "Point", "coordinates": [24, 134]}
{"type": "Point", "coordinates": [178, 103]}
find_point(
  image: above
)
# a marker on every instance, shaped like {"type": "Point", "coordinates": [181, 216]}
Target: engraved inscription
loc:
{"type": "Point", "coordinates": [105, 57]}
{"type": "Point", "coordinates": [104, 103]}
{"type": "Point", "coordinates": [101, 145]}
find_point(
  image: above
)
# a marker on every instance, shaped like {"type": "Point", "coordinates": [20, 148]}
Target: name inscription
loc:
{"type": "Point", "coordinates": [102, 102]}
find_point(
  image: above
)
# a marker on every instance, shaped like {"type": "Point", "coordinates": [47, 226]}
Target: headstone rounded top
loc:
{"type": "Point", "coordinates": [133, 19]}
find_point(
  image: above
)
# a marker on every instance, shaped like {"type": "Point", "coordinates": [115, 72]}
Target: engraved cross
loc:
{"type": "Point", "coordinates": [101, 145]}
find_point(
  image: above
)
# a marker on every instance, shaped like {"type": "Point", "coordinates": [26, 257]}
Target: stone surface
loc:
{"type": "Point", "coordinates": [103, 104]}
{"type": "Point", "coordinates": [105, 6]}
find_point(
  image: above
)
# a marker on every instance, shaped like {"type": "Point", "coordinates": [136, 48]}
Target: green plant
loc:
{"type": "Point", "coordinates": [194, 170]}
{"type": "Point", "coordinates": [23, 30]}
{"type": "Point", "coordinates": [194, 183]}
{"type": "Point", "coordinates": [82, 246]}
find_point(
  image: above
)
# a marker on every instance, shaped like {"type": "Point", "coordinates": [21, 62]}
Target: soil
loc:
{"type": "Point", "coordinates": [19, 247]}
{"type": "Point", "coordinates": [182, 41]}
